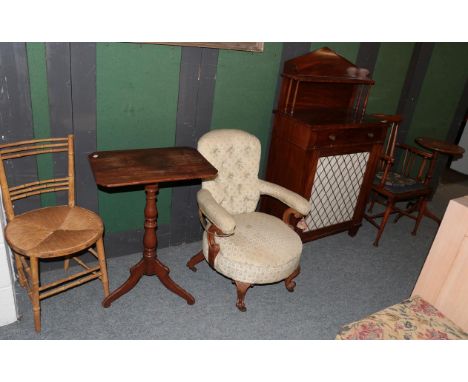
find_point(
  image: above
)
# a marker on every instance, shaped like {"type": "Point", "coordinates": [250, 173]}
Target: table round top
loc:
{"type": "Point", "coordinates": [441, 146]}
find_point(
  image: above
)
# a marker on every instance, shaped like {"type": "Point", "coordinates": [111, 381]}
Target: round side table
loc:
{"type": "Point", "coordinates": [439, 147]}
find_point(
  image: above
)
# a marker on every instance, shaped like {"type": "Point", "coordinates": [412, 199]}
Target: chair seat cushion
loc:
{"type": "Point", "coordinates": [398, 183]}
{"type": "Point", "coordinates": [53, 231]}
{"type": "Point", "coordinates": [412, 319]}
{"type": "Point", "coordinates": [263, 249]}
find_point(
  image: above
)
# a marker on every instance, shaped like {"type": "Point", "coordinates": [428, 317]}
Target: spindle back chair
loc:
{"type": "Point", "coordinates": [390, 141]}
{"type": "Point", "coordinates": [405, 177]}
{"type": "Point", "coordinates": [49, 232]}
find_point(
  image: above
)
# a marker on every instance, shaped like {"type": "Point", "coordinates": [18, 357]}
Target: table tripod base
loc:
{"type": "Point", "coordinates": [148, 266]}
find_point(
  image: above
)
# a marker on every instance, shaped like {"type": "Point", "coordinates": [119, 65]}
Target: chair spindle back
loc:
{"type": "Point", "coordinates": [36, 147]}
{"type": "Point", "coordinates": [414, 163]}
{"type": "Point", "coordinates": [390, 141]}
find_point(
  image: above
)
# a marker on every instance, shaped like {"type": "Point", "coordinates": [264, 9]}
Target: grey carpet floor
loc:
{"type": "Point", "coordinates": [342, 280]}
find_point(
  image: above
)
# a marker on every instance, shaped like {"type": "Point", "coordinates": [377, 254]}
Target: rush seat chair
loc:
{"type": "Point", "coordinates": [51, 232]}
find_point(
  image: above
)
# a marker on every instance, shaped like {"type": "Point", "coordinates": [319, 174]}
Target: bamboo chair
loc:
{"type": "Point", "coordinates": [50, 232]}
{"type": "Point", "coordinates": [408, 181]}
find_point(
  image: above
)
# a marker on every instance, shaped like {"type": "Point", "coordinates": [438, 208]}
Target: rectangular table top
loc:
{"type": "Point", "coordinates": [149, 166]}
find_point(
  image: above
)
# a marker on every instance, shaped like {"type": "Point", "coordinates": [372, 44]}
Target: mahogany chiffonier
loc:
{"type": "Point", "coordinates": [323, 146]}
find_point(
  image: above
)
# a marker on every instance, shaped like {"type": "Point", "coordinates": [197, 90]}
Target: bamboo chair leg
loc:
{"type": "Point", "coordinates": [102, 265]}
{"type": "Point", "coordinates": [34, 263]}
{"type": "Point", "coordinates": [388, 211]}
{"type": "Point", "coordinates": [66, 264]}
{"type": "Point", "coordinates": [20, 269]}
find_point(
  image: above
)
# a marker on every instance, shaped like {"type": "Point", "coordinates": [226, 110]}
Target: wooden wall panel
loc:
{"type": "Point", "coordinates": [16, 121]}
{"type": "Point", "coordinates": [136, 99]}
{"type": "Point", "coordinates": [245, 91]}
{"type": "Point", "coordinates": [60, 104]}
{"type": "Point", "coordinates": [40, 110]}
{"type": "Point", "coordinates": [83, 79]}
{"type": "Point", "coordinates": [196, 90]}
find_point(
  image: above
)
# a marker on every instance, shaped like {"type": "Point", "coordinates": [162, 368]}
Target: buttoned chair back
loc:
{"type": "Point", "coordinates": [236, 155]}
{"type": "Point", "coordinates": [246, 246]}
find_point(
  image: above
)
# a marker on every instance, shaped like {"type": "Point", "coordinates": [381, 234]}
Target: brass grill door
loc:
{"type": "Point", "coordinates": [336, 189]}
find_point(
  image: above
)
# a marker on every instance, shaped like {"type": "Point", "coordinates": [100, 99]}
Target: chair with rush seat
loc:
{"type": "Point", "coordinates": [50, 232]}
{"type": "Point", "coordinates": [246, 246]}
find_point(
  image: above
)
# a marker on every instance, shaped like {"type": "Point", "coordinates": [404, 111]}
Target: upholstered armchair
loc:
{"type": "Point", "coordinates": [246, 246]}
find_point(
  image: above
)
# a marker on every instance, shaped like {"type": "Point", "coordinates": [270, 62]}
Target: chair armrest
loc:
{"type": "Point", "coordinates": [387, 158]}
{"type": "Point", "coordinates": [424, 154]}
{"type": "Point", "coordinates": [286, 196]}
{"type": "Point", "coordinates": [215, 213]}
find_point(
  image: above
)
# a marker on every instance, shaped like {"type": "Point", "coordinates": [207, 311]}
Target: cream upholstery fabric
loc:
{"type": "Point", "coordinates": [217, 214]}
{"type": "Point", "coordinates": [262, 250]}
{"type": "Point", "coordinates": [236, 156]}
{"type": "Point", "coordinates": [288, 197]}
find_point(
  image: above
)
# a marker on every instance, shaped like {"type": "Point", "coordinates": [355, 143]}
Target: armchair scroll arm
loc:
{"type": "Point", "coordinates": [288, 197]}
{"type": "Point", "coordinates": [223, 224]}
{"type": "Point", "coordinates": [215, 213]}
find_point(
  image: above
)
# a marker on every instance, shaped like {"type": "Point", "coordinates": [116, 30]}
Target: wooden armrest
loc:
{"type": "Point", "coordinates": [213, 247]}
{"type": "Point", "coordinates": [291, 217]}
{"type": "Point", "coordinates": [424, 154]}
{"type": "Point", "coordinates": [387, 158]}
{"type": "Point", "coordinates": [395, 118]}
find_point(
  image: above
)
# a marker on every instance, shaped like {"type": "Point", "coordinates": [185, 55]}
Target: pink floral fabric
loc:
{"type": "Point", "coordinates": [412, 319]}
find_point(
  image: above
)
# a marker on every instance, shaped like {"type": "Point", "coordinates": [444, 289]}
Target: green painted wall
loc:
{"type": "Point", "coordinates": [137, 89]}
{"type": "Point", "coordinates": [137, 95]}
{"type": "Point", "coordinates": [245, 91]}
{"type": "Point", "coordinates": [40, 111]}
{"type": "Point", "coordinates": [441, 91]}
{"type": "Point", "coordinates": [389, 75]}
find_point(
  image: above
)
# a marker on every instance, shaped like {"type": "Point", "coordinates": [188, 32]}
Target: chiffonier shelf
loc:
{"type": "Point", "coordinates": [323, 146]}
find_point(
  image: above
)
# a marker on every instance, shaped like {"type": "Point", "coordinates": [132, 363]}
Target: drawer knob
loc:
{"type": "Point", "coordinates": [370, 135]}
{"type": "Point", "coordinates": [332, 137]}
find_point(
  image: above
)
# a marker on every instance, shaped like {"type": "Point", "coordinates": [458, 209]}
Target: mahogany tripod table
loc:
{"type": "Point", "coordinates": [149, 167]}
{"type": "Point", "coordinates": [437, 147]}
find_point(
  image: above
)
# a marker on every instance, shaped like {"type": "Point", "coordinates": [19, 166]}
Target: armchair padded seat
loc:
{"type": "Point", "coordinates": [263, 249]}
{"type": "Point", "coordinates": [412, 319]}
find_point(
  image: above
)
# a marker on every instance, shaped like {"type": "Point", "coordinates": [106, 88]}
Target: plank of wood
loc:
{"type": "Point", "coordinates": [443, 281]}
{"type": "Point", "coordinates": [149, 166]}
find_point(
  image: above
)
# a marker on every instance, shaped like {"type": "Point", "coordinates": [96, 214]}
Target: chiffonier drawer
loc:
{"type": "Point", "coordinates": [345, 137]}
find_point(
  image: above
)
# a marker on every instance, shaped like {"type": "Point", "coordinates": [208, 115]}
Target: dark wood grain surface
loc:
{"type": "Point", "coordinates": [320, 114]}
{"type": "Point", "coordinates": [149, 166]}
{"type": "Point", "coordinates": [441, 146]}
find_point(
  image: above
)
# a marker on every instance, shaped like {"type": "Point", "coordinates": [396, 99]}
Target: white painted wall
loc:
{"type": "Point", "coordinates": [8, 309]}
{"type": "Point", "coordinates": [461, 165]}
